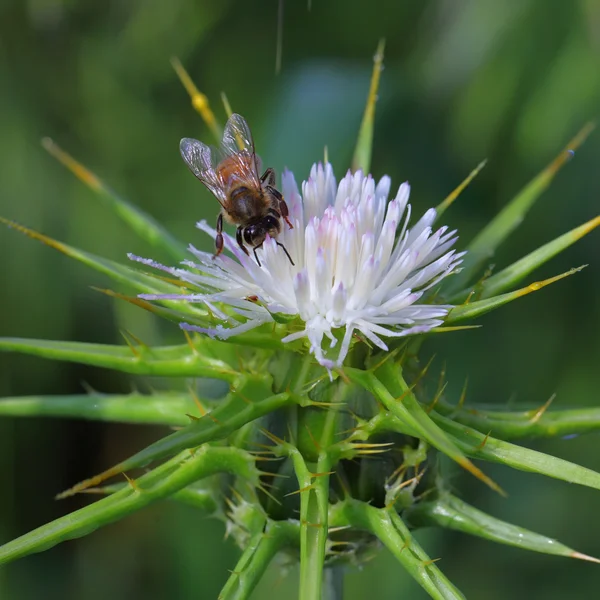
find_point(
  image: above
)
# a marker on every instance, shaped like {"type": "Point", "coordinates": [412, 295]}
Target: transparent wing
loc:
{"type": "Point", "coordinates": [199, 159]}
{"type": "Point", "coordinates": [237, 136]}
{"type": "Point", "coordinates": [237, 141]}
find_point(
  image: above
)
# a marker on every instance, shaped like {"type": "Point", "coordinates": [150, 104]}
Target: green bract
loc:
{"type": "Point", "coordinates": [320, 463]}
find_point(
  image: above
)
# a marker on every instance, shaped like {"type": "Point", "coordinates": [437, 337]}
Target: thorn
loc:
{"type": "Point", "coordinates": [581, 556]}
{"type": "Point", "coordinates": [81, 172]}
{"type": "Point", "coordinates": [314, 475]}
{"type": "Point", "coordinates": [132, 483]}
{"type": "Point", "coordinates": [484, 442]}
{"type": "Point", "coordinates": [272, 437]}
{"type": "Point", "coordinates": [304, 489]}
{"type": "Point", "coordinates": [267, 493]}
{"type": "Point", "coordinates": [313, 440]}
{"type": "Point", "coordinates": [226, 105]}
{"type": "Point", "coordinates": [436, 398]}
{"type": "Point", "coordinates": [540, 411]}
{"type": "Point", "coordinates": [463, 395]}
{"type": "Point", "coordinates": [131, 346]}
{"type": "Point", "coordinates": [233, 390]}
{"type": "Point", "coordinates": [423, 372]}
{"type": "Point", "coordinates": [137, 339]}
{"type": "Point", "coordinates": [468, 300]}
{"type": "Point", "coordinates": [190, 343]}
{"type": "Point", "coordinates": [192, 417]}
{"type": "Point", "coordinates": [387, 356]}
{"type": "Point", "coordinates": [199, 100]}
{"type": "Point", "coordinates": [426, 563]}
{"type": "Point", "coordinates": [450, 198]}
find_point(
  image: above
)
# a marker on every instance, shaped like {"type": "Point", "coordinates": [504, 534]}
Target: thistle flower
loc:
{"type": "Point", "coordinates": [359, 270]}
{"type": "Point", "coordinates": [357, 266]}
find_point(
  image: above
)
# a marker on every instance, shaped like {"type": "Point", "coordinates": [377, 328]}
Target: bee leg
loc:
{"type": "Point", "coordinates": [268, 177]}
{"type": "Point", "coordinates": [256, 255]}
{"type": "Point", "coordinates": [240, 241]}
{"type": "Point", "coordinates": [286, 252]}
{"type": "Point", "coordinates": [219, 238]}
{"type": "Point", "coordinates": [283, 207]}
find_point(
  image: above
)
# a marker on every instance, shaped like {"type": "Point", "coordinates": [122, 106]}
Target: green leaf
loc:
{"type": "Point", "coordinates": [441, 208]}
{"type": "Point", "coordinates": [163, 361]}
{"type": "Point", "coordinates": [452, 513]}
{"type": "Point", "coordinates": [483, 247]}
{"type": "Point", "coordinates": [392, 391]}
{"type": "Point", "coordinates": [481, 307]}
{"type": "Point", "coordinates": [535, 423]}
{"type": "Point", "coordinates": [389, 528]}
{"type": "Point", "coordinates": [127, 276]}
{"type": "Point", "coordinates": [362, 154]}
{"type": "Point", "coordinates": [159, 408]}
{"type": "Point", "coordinates": [477, 445]}
{"type": "Point", "coordinates": [142, 224]}
{"type": "Point", "coordinates": [513, 274]}
{"type": "Point", "coordinates": [164, 481]}
{"type": "Point", "coordinates": [249, 400]}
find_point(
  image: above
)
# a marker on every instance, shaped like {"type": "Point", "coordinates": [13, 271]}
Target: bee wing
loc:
{"type": "Point", "coordinates": [199, 159]}
{"type": "Point", "coordinates": [237, 139]}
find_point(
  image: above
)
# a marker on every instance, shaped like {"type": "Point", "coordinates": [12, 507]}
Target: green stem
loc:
{"type": "Point", "coordinates": [164, 481]}
{"type": "Point", "coordinates": [261, 549]}
{"type": "Point", "coordinates": [393, 533]}
{"type": "Point", "coordinates": [534, 423]}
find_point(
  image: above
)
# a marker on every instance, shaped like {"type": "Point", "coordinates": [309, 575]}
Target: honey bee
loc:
{"type": "Point", "coordinates": [231, 174]}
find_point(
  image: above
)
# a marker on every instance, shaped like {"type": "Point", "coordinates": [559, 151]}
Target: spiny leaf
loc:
{"type": "Point", "coordinates": [478, 445]}
{"type": "Point", "coordinates": [500, 227]}
{"type": "Point", "coordinates": [395, 535]}
{"type": "Point", "coordinates": [142, 224]}
{"type": "Point", "coordinates": [364, 145]}
{"type": "Point", "coordinates": [399, 400]}
{"type": "Point", "coordinates": [161, 361]}
{"type": "Point", "coordinates": [164, 481]}
{"type": "Point", "coordinates": [199, 100]}
{"type": "Point", "coordinates": [533, 423]}
{"type": "Point", "coordinates": [132, 278]}
{"type": "Point", "coordinates": [511, 275]}
{"type": "Point", "coordinates": [451, 512]}
{"type": "Point", "coordinates": [164, 408]}
{"type": "Point", "coordinates": [481, 307]}
{"type": "Point", "coordinates": [450, 198]}
{"type": "Point", "coordinates": [250, 400]}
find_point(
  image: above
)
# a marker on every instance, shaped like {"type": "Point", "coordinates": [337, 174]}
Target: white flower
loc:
{"type": "Point", "coordinates": [358, 267]}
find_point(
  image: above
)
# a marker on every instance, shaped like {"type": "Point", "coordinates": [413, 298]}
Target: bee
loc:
{"type": "Point", "coordinates": [231, 174]}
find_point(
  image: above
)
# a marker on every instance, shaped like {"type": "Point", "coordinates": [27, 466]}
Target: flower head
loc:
{"type": "Point", "coordinates": [358, 267]}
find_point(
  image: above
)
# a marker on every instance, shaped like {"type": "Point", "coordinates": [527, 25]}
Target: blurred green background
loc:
{"type": "Point", "coordinates": [463, 80]}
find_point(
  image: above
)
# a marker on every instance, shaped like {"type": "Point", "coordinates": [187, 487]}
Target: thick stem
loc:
{"type": "Point", "coordinates": [253, 563]}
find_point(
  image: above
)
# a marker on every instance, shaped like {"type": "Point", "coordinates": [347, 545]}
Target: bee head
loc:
{"type": "Point", "coordinates": [255, 234]}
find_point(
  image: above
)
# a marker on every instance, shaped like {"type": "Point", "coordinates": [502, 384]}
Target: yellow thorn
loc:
{"type": "Point", "coordinates": [484, 441]}
{"type": "Point", "coordinates": [188, 339]}
{"type": "Point", "coordinates": [457, 191]}
{"type": "Point", "coordinates": [226, 105]}
{"type": "Point", "coordinates": [463, 395]}
{"type": "Point", "coordinates": [81, 172]}
{"type": "Point", "coordinates": [313, 440]}
{"type": "Point", "coordinates": [570, 148]}
{"type": "Point", "coordinates": [581, 556]}
{"type": "Point", "coordinates": [132, 483]}
{"type": "Point", "coordinates": [199, 100]}
{"type": "Point", "coordinates": [131, 346]}
{"type": "Point", "coordinates": [197, 402]}
{"type": "Point", "coordinates": [272, 437]}
{"type": "Point", "coordinates": [426, 563]}
{"type": "Point", "coordinates": [537, 415]}
{"type": "Point", "coordinates": [538, 285]}
{"type": "Point", "coordinates": [304, 489]}
{"type": "Point", "coordinates": [436, 398]}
